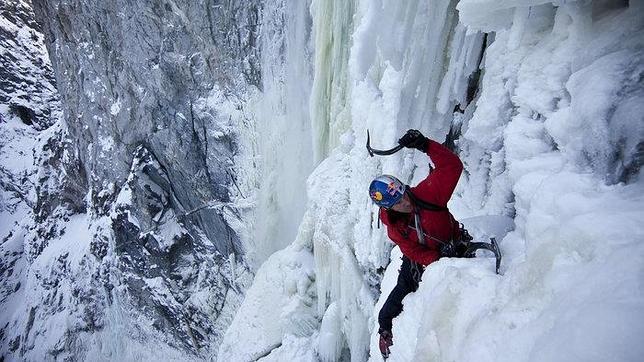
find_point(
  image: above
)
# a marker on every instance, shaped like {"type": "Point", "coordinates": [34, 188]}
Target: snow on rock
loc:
{"type": "Point", "coordinates": [27, 86]}
{"type": "Point", "coordinates": [144, 158]}
{"type": "Point", "coordinates": [129, 80]}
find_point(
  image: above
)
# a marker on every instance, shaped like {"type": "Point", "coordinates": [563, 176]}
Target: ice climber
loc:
{"type": "Point", "coordinates": [418, 221]}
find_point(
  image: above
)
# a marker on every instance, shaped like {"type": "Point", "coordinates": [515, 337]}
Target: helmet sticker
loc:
{"type": "Point", "coordinates": [392, 189]}
{"type": "Point", "coordinates": [377, 196]}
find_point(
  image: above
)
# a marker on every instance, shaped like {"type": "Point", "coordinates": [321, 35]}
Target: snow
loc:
{"type": "Point", "coordinates": [16, 143]}
{"type": "Point", "coordinates": [115, 108]}
{"type": "Point", "coordinates": [280, 302]}
{"type": "Point", "coordinates": [68, 251]}
{"type": "Point", "coordinates": [293, 349]}
{"type": "Point", "coordinates": [106, 143]}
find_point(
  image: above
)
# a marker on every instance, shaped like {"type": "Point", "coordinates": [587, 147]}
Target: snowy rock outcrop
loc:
{"type": "Point", "coordinates": [133, 75]}
{"type": "Point", "coordinates": [29, 107]}
{"type": "Point", "coordinates": [27, 85]}
{"type": "Point", "coordinates": [124, 241]}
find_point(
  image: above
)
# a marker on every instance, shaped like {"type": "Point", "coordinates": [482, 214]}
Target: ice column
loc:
{"type": "Point", "coordinates": [283, 130]}
{"type": "Point", "coordinates": [330, 114]}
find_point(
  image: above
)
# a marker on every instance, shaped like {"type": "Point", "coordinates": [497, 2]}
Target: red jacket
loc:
{"type": "Point", "coordinates": [437, 189]}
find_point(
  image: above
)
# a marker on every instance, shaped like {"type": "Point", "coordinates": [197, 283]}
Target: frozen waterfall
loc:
{"type": "Point", "coordinates": [282, 133]}
{"type": "Point", "coordinates": [543, 101]}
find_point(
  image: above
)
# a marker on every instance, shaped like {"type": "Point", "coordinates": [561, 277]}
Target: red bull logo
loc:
{"type": "Point", "coordinates": [392, 189]}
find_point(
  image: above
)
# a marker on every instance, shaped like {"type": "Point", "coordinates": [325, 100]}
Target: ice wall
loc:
{"type": "Point", "coordinates": [555, 141]}
{"type": "Point", "coordinates": [375, 78]}
{"type": "Point", "coordinates": [548, 123]}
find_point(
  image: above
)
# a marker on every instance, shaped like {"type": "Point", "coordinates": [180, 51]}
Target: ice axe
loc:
{"type": "Point", "coordinates": [373, 151]}
{"type": "Point", "coordinates": [492, 246]}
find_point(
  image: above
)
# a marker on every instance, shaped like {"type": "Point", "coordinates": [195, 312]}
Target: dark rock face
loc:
{"type": "Point", "coordinates": [129, 240]}
{"type": "Point", "coordinates": [133, 74]}
{"type": "Point", "coordinates": [162, 266]}
{"type": "Point", "coordinates": [27, 86]}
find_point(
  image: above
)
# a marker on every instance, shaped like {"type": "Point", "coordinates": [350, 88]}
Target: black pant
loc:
{"type": "Point", "coordinates": [408, 279]}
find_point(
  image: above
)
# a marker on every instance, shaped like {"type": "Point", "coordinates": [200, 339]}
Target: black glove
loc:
{"type": "Point", "coordinates": [386, 341]}
{"type": "Point", "coordinates": [414, 139]}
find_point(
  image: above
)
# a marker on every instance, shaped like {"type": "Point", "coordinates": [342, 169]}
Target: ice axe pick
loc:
{"type": "Point", "coordinates": [373, 151]}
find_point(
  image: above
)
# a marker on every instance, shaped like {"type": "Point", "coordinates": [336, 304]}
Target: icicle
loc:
{"type": "Point", "coordinates": [283, 133]}
{"type": "Point", "coordinates": [330, 116]}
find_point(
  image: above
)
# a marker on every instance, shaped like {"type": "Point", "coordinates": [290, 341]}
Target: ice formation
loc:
{"type": "Point", "coordinates": [551, 136]}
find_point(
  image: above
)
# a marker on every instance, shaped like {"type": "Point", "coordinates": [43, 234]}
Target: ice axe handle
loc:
{"type": "Point", "coordinates": [373, 151]}
{"type": "Point", "coordinates": [497, 254]}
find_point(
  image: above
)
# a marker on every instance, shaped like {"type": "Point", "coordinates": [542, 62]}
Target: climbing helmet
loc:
{"type": "Point", "coordinates": [386, 191]}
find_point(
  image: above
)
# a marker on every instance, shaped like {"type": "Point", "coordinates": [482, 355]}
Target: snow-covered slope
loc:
{"type": "Point", "coordinates": [553, 138]}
